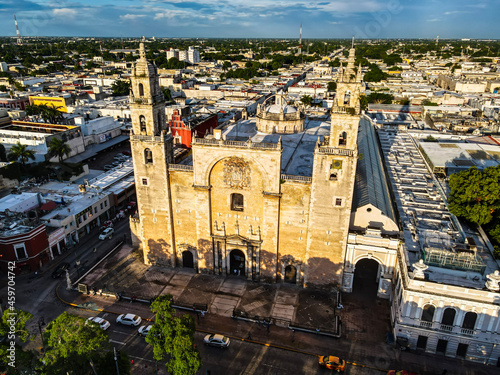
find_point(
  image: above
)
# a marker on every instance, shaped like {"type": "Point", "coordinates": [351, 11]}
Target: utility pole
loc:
{"type": "Point", "coordinates": [116, 362]}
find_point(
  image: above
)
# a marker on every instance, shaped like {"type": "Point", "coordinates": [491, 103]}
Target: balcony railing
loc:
{"type": "Point", "coordinates": [180, 167]}
{"type": "Point", "coordinates": [425, 324]}
{"type": "Point", "coordinates": [238, 144]}
{"type": "Point", "coordinates": [467, 331]}
{"type": "Point", "coordinates": [446, 328]}
{"type": "Point", "coordinates": [336, 151]}
{"type": "Point", "coordinates": [303, 179]}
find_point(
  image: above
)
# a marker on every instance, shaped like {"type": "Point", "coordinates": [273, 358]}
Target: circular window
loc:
{"type": "Point", "coordinates": [369, 209]}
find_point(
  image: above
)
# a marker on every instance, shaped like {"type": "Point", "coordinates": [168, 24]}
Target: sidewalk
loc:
{"type": "Point", "coordinates": [365, 320]}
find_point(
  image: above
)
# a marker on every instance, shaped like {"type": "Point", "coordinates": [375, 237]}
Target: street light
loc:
{"type": "Point", "coordinates": [41, 323]}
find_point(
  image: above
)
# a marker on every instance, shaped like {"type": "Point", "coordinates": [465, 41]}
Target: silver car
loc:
{"type": "Point", "coordinates": [216, 340]}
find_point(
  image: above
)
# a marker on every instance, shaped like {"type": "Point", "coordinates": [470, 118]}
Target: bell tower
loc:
{"type": "Point", "coordinates": [334, 171]}
{"type": "Point", "coordinates": [151, 143]}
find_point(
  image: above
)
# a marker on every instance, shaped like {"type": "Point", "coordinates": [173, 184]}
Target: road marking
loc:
{"type": "Point", "coordinates": [117, 342]}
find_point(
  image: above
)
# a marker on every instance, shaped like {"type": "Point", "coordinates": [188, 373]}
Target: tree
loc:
{"type": "Point", "coordinates": [306, 100]}
{"type": "Point", "coordinates": [73, 343]}
{"type": "Point", "coordinates": [3, 154]}
{"type": "Point", "coordinates": [24, 360]}
{"type": "Point", "coordinates": [226, 65]}
{"type": "Point", "coordinates": [167, 94]}
{"type": "Point", "coordinates": [120, 88]}
{"type": "Point", "coordinates": [380, 98]}
{"type": "Point", "coordinates": [59, 148]}
{"type": "Point", "coordinates": [475, 195]}
{"type": "Point", "coordinates": [173, 337]}
{"type": "Point", "coordinates": [374, 74]}
{"type": "Point", "coordinates": [21, 152]}
{"type": "Point", "coordinates": [332, 86]}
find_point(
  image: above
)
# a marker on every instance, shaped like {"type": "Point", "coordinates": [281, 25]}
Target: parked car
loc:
{"type": "Point", "coordinates": [108, 167]}
{"type": "Point", "coordinates": [216, 340]}
{"type": "Point", "coordinates": [60, 270]}
{"type": "Point", "coordinates": [332, 363]}
{"type": "Point", "coordinates": [129, 320]}
{"type": "Point", "coordinates": [103, 323]}
{"type": "Point", "coordinates": [106, 233]}
{"type": "Point", "coordinates": [144, 330]}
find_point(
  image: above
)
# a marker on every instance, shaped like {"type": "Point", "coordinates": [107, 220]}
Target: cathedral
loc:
{"type": "Point", "coordinates": [267, 198]}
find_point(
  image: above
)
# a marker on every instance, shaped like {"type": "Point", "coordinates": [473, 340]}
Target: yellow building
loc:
{"type": "Point", "coordinates": [59, 102]}
{"type": "Point", "coordinates": [262, 205]}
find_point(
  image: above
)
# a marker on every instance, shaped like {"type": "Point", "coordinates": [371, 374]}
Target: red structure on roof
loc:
{"type": "Point", "coordinates": [183, 128]}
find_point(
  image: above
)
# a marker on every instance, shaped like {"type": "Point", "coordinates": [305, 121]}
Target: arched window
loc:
{"type": "Point", "coordinates": [448, 317]}
{"type": "Point", "coordinates": [347, 98]}
{"type": "Point", "coordinates": [160, 122]}
{"type": "Point", "coordinates": [342, 139]}
{"type": "Point", "coordinates": [141, 89]}
{"type": "Point", "coordinates": [236, 202]}
{"type": "Point", "coordinates": [469, 320]}
{"type": "Point", "coordinates": [142, 121]}
{"type": "Point", "coordinates": [428, 313]}
{"type": "Point", "coordinates": [148, 156]}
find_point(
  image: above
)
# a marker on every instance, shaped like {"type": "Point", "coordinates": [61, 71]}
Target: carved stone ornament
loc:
{"type": "Point", "coordinates": [236, 173]}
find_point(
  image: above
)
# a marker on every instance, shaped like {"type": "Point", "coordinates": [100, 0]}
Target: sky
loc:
{"type": "Point", "coordinates": [366, 19]}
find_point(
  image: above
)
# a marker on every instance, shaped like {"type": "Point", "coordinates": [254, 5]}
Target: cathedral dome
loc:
{"type": "Point", "coordinates": [276, 108]}
{"type": "Point", "coordinates": [279, 117]}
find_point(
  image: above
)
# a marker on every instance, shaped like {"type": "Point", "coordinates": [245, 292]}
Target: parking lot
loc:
{"type": "Point", "coordinates": [107, 157]}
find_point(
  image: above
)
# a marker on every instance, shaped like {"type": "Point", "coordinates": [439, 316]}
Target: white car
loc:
{"type": "Point", "coordinates": [106, 233]}
{"type": "Point", "coordinates": [103, 323]}
{"type": "Point", "coordinates": [216, 340]}
{"type": "Point", "coordinates": [144, 330]}
{"type": "Point", "coordinates": [129, 320]}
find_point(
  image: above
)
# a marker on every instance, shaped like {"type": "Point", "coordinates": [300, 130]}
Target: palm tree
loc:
{"type": "Point", "coordinates": [21, 152]}
{"type": "Point", "coordinates": [51, 114]}
{"type": "Point", "coordinates": [59, 148]}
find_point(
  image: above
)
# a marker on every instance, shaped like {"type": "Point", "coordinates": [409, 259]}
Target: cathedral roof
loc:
{"type": "Point", "coordinates": [370, 186]}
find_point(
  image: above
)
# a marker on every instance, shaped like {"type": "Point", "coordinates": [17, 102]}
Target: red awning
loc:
{"type": "Point", "coordinates": [49, 206]}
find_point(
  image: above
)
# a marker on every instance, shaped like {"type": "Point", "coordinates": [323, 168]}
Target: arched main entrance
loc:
{"type": "Point", "coordinates": [187, 259]}
{"type": "Point", "coordinates": [365, 277]}
{"type": "Point", "coordinates": [290, 274]}
{"type": "Point", "coordinates": [237, 263]}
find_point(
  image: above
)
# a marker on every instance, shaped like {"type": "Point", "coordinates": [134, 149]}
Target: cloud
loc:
{"type": "Point", "coordinates": [64, 12]}
{"type": "Point", "coordinates": [131, 17]}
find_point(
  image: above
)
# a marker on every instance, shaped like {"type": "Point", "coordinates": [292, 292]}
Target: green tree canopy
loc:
{"type": "Point", "coordinates": [173, 337]}
{"type": "Point", "coordinates": [58, 148]}
{"type": "Point", "coordinates": [475, 195]}
{"type": "Point", "coordinates": [72, 343]}
{"type": "Point", "coordinates": [380, 98]}
{"type": "Point", "coordinates": [307, 100]}
{"type": "Point", "coordinates": [21, 152]}
{"type": "Point", "coordinates": [3, 154]}
{"type": "Point", "coordinates": [120, 88]}
{"type": "Point", "coordinates": [24, 360]}
{"type": "Point", "coordinates": [374, 74]}
{"type": "Point", "coordinates": [332, 86]}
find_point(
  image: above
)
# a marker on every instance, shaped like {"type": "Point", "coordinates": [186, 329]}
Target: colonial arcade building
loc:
{"type": "Point", "coordinates": [315, 202]}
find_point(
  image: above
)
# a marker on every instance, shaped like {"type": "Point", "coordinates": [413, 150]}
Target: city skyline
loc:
{"type": "Point", "coordinates": [368, 19]}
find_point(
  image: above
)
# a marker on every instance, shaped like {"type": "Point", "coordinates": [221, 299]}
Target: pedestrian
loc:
{"type": "Point", "coordinates": [203, 314]}
{"type": "Point", "coordinates": [235, 271]}
{"type": "Point", "coordinates": [239, 272]}
{"type": "Point", "coordinates": [317, 331]}
{"type": "Point", "coordinates": [249, 337]}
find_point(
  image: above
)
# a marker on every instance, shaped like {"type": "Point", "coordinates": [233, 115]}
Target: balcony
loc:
{"type": "Point", "coordinates": [446, 328]}
{"type": "Point", "coordinates": [425, 324]}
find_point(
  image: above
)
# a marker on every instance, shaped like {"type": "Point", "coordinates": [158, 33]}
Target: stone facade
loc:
{"type": "Point", "coordinates": [233, 211]}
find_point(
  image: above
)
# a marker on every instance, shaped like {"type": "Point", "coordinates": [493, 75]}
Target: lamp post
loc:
{"type": "Point", "coordinates": [41, 323]}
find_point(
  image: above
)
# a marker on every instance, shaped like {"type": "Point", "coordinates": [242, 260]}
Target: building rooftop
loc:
{"type": "Point", "coordinates": [430, 231]}
{"type": "Point", "coordinates": [298, 148]}
{"type": "Point", "coordinates": [370, 185]}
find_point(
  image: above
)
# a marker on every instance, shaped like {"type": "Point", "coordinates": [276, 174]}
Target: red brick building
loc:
{"type": "Point", "coordinates": [26, 246]}
{"type": "Point", "coordinates": [184, 127]}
